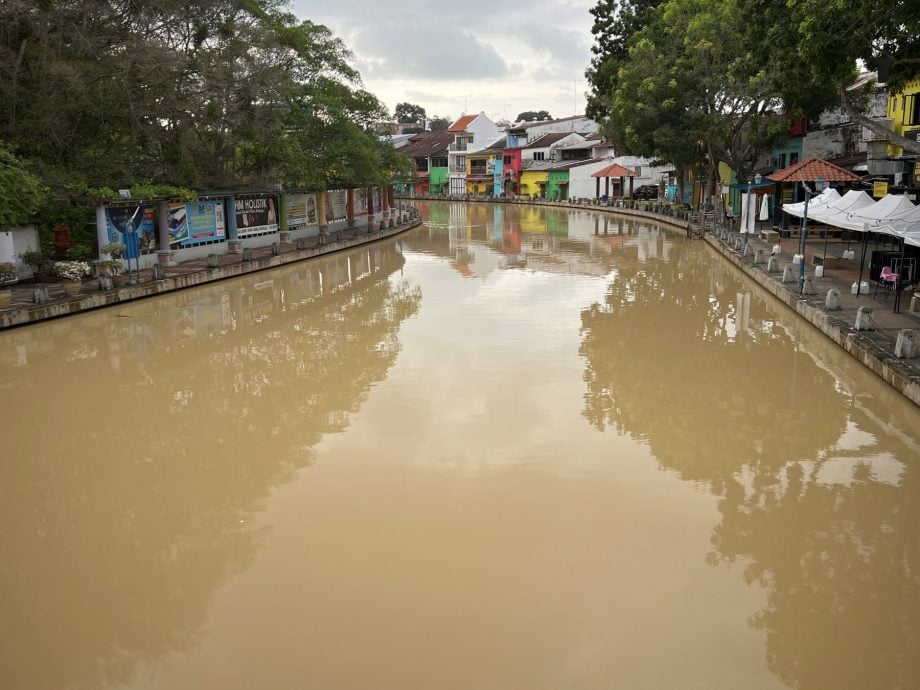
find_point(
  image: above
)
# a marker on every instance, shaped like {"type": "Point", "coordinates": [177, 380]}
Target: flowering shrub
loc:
{"type": "Point", "coordinates": [7, 272]}
{"type": "Point", "coordinates": [71, 270]}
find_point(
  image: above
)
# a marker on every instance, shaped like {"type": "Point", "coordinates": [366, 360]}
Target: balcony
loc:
{"type": "Point", "coordinates": [458, 146]}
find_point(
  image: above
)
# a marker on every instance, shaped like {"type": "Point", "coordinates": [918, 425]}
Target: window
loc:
{"type": "Point", "coordinates": [538, 155]}
{"type": "Point", "coordinates": [793, 158]}
{"type": "Point", "coordinates": [460, 164]}
{"type": "Point", "coordinates": [439, 162]}
{"type": "Point", "coordinates": [421, 164]}
{"type": "Point", "coordinates": [506, 160]}
{"type": "Point", "coordinates": [638, 171]}
{"type": "Point", "coordinates": [913, 114]}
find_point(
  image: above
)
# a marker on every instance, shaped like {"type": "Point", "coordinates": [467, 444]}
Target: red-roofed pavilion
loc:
{"type": "Point", "coordinates": [614, 170]}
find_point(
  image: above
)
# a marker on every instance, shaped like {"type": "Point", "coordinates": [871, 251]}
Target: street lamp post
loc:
{"type": "Point", "coordinates": [802, 238]}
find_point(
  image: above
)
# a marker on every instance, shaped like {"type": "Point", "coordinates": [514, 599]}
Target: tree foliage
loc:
{"type": "Point", "coordinates": [21, 192]}
{"type": "Point", "coordinates": [533, 116]}
{"type": "Point", "coordinates": [438, 124]}
{"type": "Point", "coordinates": [691, 80]}
{"type": "Point", "coordinates": [208, 94]}
{"type": "Point", "coordinates": [409, 112]}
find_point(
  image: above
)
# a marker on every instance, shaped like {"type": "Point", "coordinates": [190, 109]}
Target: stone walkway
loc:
{"type": "Point", "coordinates": [23, 309]}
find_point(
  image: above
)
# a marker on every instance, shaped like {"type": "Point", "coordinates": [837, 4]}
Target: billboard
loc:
{"type": "Point", "coordinates": [360, 202]}
{"type": "Point", "coordinates": [196, 222]}
{"type": "Point", "coordinates": [301, 210]}
{"type": "Point", "coordinates": [255, 215]}
{"type": "Point", "coordinates": [138, 219]}
{"type": "Point", "coordinates": [336, 205]}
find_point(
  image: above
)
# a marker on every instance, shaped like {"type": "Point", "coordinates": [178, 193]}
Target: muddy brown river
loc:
{"type": "Point", "coordinates": [513, 449]}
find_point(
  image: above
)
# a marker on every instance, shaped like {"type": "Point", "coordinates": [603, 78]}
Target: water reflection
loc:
{"type": "Point", "coordinates": [138, 453]}
{"type": "Point", "coordinates": [817, 482]}
{"type": "Point", "coordinates": [497, 493]}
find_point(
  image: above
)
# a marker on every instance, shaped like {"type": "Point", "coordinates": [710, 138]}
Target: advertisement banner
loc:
{"type": "Point", "coordinates": [196, 222]}
{"type": "Point", "coordinates": [336, 205]}
{"type": "Point", "coordinates": [301, 210]}
{"type": "Point", "coordinates": [360, 202]}
{"type": "Point", "coordinates": [255, 215]}
{"type": "Point", "coordinates": [133, 219]}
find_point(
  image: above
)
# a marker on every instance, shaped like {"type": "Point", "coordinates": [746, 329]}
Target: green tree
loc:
{"type": "Point", "coordinates": [533, 116]}
{"type": "Point", "coordinates": [822, 42]}
{"type": "Point", "coordinates": [438, 124]}
{"type": "Point", "coordinates": [21, 192]}
{"type": "Point", "coordinates": [409, 112]}
{"type": "Point", "coordinates": [615, 22]}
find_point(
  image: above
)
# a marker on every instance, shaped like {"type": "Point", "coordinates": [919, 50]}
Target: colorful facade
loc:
{"type": "Point", "coordinates": [904, 111]}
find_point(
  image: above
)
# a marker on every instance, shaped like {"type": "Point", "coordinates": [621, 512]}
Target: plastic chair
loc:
{"type": "Point", "coordinates": [887, 278]}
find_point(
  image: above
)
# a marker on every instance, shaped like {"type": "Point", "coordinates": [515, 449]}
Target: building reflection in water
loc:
{"type": "Point", "coordinates": [122, 510]}
{"type": "Point", "coordinates": [123, 513]}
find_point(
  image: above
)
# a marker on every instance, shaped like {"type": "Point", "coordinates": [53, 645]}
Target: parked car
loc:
{"type": "Point", "coordinates": [646, 191]}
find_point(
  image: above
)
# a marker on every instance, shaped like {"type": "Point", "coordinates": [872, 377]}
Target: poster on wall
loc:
{"type": "Point", "coordinates": [360, 202]}
{"type": "Point", "coordinates": [301, 210]}
{"type": "Point", "coordinates": [132, 219]}
{"type": "Point", "coordinates": [196, 222]}
{"type": "Point", "coordinates": [336, 204]}
{"type": "Point", "coordinates": [255, 215]}
{"type": "Point", "coordinates": [377, 206]}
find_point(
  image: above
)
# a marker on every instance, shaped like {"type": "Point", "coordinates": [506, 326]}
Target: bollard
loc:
{"type": "Point", "coordinates": [39, 294]}
{"type": "Point", "coordinates": [758, 256]}
{"type": "Point", "coordinates": [788, 276]}
{"type": "Point", "coordinates": [808, 286]}
{"type": "Point", "coordinates": [746, 249]}
{"type": "Point", "coordinates": [914, 302]}
{"type": "Point", "coordinates": [906, 345]}
{"type": "Point", "coordinates": [159, 273]}
{"type": "Point", "coordinates": [301, 243]}
{"type": "Point", "coordinates": [213, 261]}
{"type": "Point", "coordinates": [864, 319]}
{"type": "Point", "coordinates": [773, 265]}
{"type": "Point", "coordinates": [106, 283]}
{"type": "Point", "coordinates": [832, 301]}
{"type": "Point", "coordinates": [247, 254]}
{"type": "Point", "coordinates": [276, 249]}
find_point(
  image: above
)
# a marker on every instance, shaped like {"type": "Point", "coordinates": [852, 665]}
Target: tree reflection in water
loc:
{"type": "Point", "coordinates": [196, 405]}
{"type": "Point", "coordinates": [818, 497]}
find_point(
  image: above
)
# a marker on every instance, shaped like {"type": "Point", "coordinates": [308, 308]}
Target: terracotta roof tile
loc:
{"type": "Point", "coordinates": [615, 170]}
{"type": "Point", "coordinates": [811, 169]}
{"type": "Point", "coordinates": [461, 124]}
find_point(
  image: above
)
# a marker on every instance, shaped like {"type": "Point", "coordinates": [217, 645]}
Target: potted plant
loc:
{"type": "Point", "coordinates": [34, 259]}
{"type": "Point", "coordinates": [8, 273]}
{"type": "Point", "coordinates": [72, 273]}
{"type": "Point", "coordinates": [113, 266]}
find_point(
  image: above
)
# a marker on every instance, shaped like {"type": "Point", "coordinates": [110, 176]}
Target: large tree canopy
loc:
{"type": "Point", "coordinates": [533, 116]}
{"type": "Point", "coordinates": [697, 79]}
{"type": "Point", "coordinates": [208, 94]}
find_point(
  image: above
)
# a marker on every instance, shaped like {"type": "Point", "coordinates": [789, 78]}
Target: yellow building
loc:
{"type": "Point", "coordinates": [904, 111]}
{"type": "Point", "coordinates": [533, 181]}
{"type": "Point", "coordinates": [479, 172]}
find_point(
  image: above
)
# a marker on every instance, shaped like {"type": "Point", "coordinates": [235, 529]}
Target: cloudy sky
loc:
{"type": "Point", "coordinates": [503, 57]}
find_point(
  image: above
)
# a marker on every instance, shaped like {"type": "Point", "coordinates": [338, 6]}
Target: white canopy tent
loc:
{"type": "Point", "coordinates": [850, 202]}
{"type": "Point", "coordinates": [873, 214]}
{"type": "Point", "coordinates": [829, 195]}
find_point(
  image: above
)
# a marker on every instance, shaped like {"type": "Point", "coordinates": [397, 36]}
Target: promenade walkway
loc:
{"type": "Point", "coordinates": [23, 310]}
{"type": "Point", "coordinates": [891, 314]}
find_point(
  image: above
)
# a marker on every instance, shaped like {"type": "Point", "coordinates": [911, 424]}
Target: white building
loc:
{"type": "Point", "coordinates": [471, 133]}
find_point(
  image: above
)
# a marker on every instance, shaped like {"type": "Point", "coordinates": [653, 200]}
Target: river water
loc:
{"type": "Point", "coordinates": [514, 448]}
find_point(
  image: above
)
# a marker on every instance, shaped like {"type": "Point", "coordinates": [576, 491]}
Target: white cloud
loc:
{"type": "Point", "coordinates": [501, 58]}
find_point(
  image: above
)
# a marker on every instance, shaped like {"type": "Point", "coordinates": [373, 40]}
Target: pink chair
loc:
{"type": "Point", "coordinates": [887, 278]}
